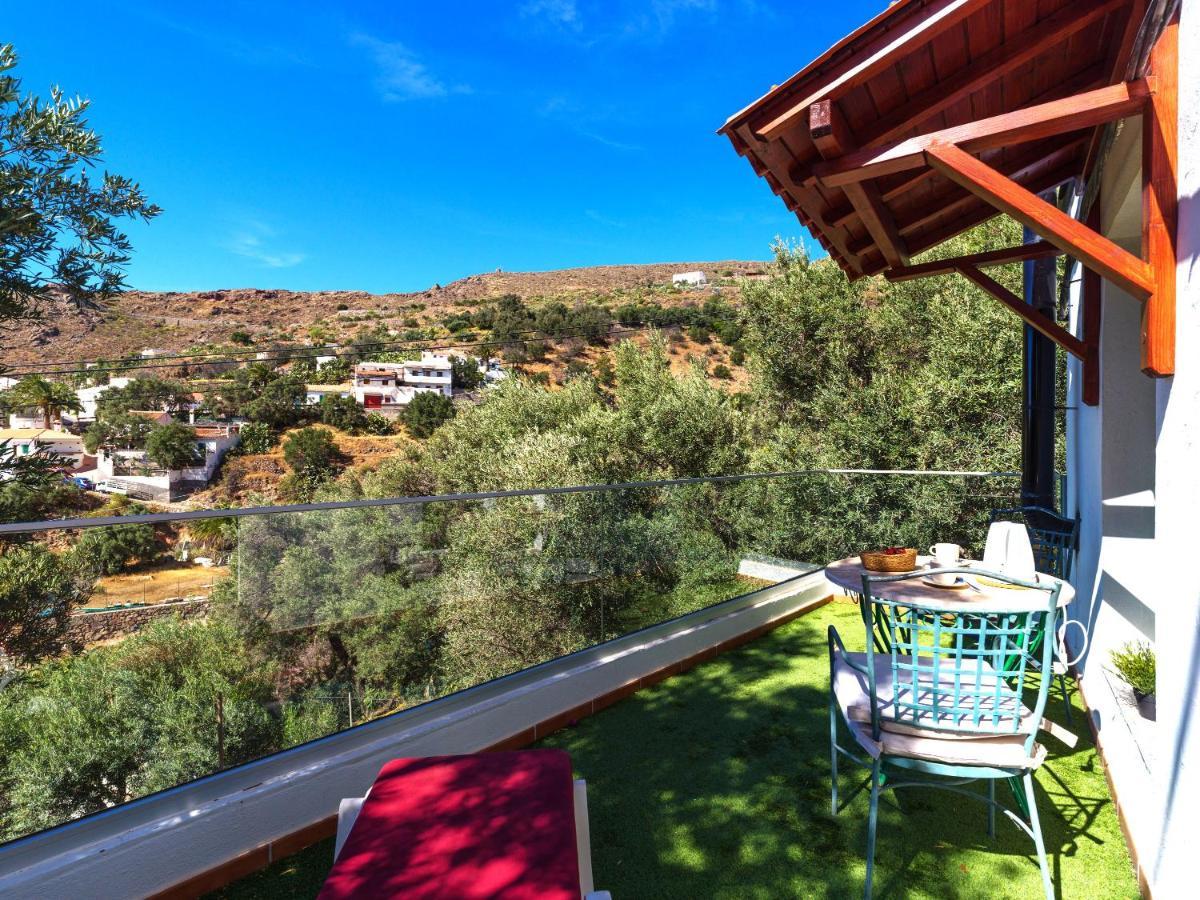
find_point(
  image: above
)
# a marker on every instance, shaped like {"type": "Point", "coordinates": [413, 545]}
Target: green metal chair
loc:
{"type": "Point", "coordinates": [942, 707]}
{"type": "Point", "coordinates": [1055, 540]}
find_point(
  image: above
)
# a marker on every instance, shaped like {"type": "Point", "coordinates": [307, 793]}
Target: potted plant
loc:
{"type": "Point", "coordinates": [1134, 662]}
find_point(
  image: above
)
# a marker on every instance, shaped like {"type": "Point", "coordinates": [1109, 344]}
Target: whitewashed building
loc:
{"type": "Point", "coordinates": [27, 441]}
{"type": "Point", "coordinates": [315, 393]}
{"type": "Point", "coordinates": [140, 477]}
{"type": "Point", "coordinates": [387, 387]}
{"type": "Point", "coordinates": [689, 279]}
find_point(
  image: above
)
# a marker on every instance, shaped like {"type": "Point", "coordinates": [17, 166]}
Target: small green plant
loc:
{"type": "Point", "coordinates": [722, 371]}
{"type": "Point", "coordinates": [241, 337]}
{"type": "Point", "coordinates": [1134, 662]}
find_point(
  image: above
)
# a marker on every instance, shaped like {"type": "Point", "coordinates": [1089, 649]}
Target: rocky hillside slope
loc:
{"type": "Point", "coordinates": [180, 321]}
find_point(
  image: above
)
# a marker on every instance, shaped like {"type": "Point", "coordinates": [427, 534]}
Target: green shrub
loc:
{"type": "Point", "coordinates": [173, 446]}
{"type": "Point", "coordinates": [376, 423]}
{"type": "Point", "coordinates": [342, 413]}
{"type": "Point", "coordinates": [311, 452]}
{"type": "Point", "coordinates": [241, 337]}
{"type": "Point", "coordinates": [737, 356]}
{"type": "Point", "coordinates": [256, 437]}
{"type": "Point", "coordinates": [465, 372]}
{"type": "Point", "coordinates": [1134, 662]}
{"type": "Point", "coordinates": [109, 548]}
{"type": "Point", "coordinates": [426, 412]}
{"type": "Point", "coordinates": [722, 371]}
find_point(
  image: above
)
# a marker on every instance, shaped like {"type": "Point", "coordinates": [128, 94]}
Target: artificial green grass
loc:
{"type": "Point", "coordinates": [715, 783]}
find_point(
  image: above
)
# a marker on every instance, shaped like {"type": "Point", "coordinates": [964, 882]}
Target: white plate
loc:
{"type": "Point", "coordinates": [958, 584]}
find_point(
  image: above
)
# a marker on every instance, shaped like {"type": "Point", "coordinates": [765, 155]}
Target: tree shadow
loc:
{"type": "Point", "coordinates": [716, 783]}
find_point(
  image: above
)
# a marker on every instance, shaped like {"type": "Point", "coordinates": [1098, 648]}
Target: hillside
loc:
{"type": "Point", "coordinates": [186, 321]}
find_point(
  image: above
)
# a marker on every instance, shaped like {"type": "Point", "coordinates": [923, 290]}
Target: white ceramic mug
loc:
{"type": "Point", "coordinates": [945, 556]}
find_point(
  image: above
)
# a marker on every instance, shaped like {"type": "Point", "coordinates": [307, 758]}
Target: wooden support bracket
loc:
{"type": "Point", "coordinates": [1042, 120]}
{"type": "Point", "coordinates": [1036, 250]}
{"type": "Point", "coordinates": [1071, 236]}
{"type": "Point", "coordinates": [1160, 143]}
{"type": "Point", "coordinates": [1042, 323]}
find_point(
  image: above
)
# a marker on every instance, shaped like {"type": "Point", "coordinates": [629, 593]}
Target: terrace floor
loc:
{"type": "Point", "coordinates": [715, 783]}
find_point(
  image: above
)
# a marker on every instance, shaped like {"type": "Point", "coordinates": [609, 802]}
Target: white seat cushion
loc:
{"type": "Point", "coordinates": [996, 752]}
{"type": "Point", "coordinates": [954, 741]}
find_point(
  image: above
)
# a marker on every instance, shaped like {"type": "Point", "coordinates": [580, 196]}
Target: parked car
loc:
{"type": "Point", "coordinates": [112, 487]}
{"type": "Point", "coordinates": [84, 484]}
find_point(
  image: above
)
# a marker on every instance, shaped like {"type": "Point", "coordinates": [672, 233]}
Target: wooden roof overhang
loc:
{"type": "Point", "coordinates": [940, 114]}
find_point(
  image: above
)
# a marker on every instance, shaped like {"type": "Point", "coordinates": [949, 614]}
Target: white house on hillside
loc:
{"type": "Point", "coordinates": [689, 279]}
{"type": "Point", "coordinates": [132, 471]}
{"type": "Point", "coordinates": [89, 399]}
{"type": "Point", "coordinates": [315, 393]}
{"type": "Point", "coordinates": [386, 387]}
{"type": "Point", "coordinates": [28, 441]}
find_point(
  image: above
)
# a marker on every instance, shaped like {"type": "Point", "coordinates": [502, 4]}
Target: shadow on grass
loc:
{"type": "Point", "coordinates": [716, 783]}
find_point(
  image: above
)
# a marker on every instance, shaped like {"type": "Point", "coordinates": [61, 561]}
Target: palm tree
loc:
{"type": "Point", "coordinates": [36, 392]}
{"type": "Point", "coordinates": [215, 534]}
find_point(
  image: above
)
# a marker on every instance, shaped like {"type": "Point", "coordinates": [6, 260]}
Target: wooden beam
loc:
{"type": "Point", "coordinates": [988, 69]}
{"type": "Point", "coordinates": [1084, 80]}
{"type": "Point", "coordinates": [1040, 322]}
{"type": "Point", "coordinates": [1043, 120]}
{"type": "Point", "coordinates": [1036, 250]}
{"type": "Point", "coordinates": [1160, 141]}
{"type": "Point", "coordinates": [1120, 65]}
{"type": "Point", "coordinates": [1036, 172]}
{"type": "Point", "coordinates": [884, 52]}
{"type": "Point", "coordinates": [983, 212]}
{"type": "Point", "coordinates": [832, 138]}
{"type": "Point", "coordinates": [1073, 237]}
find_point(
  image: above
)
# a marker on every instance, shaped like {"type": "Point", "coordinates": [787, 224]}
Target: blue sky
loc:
{"type": "Point", "coordinates": [389, 146]}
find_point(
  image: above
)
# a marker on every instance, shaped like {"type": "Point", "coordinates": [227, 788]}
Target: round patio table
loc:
{"type": "Point", "coordinates": [847, 574]}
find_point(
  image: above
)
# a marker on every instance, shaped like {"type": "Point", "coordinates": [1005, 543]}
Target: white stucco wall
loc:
{"type": "Point", "coordinates": [1132, 465]}
{"type": "Point", "coordinates": [1177, 518]}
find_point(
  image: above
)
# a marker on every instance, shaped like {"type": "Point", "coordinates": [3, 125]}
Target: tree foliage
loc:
{"type": "Point", "coordinates": [427, 412]}
{"type": "Point", "coordinates": [38, 588]}
{"type": "Point", "coordinates": [342, 413]}
{"type": "Point", "coordinates": [50, 398]}
{"type": "Point", "coordinates": [464, 373]}
{"type": "Point", "coordinates": [58, 228]}
{"type": "Point", "coordinates": [147, 394]}
{"type": "Point", "coordinates": [311, 453]}
{"type": "Point", "coordinates": [173, 446]}
{"type": "Point", "coordinates": [117, 431]}
{"type": "Point", "coordinates": [107, 549]}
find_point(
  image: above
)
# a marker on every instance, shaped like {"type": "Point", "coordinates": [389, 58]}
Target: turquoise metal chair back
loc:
{"type": "Point", "coordinates": [1054, 538]}
{"type": "Point", "coordinates": [961, 671]}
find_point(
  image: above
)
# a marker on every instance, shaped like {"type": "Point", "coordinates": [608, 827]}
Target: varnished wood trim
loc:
{"type": "Point", "coordinates": [1071, 236]}
{"type": "Point", "coordinates": [1031, 123]}
{"type": "Point", "coordinates": [1160, 142]}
